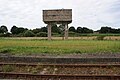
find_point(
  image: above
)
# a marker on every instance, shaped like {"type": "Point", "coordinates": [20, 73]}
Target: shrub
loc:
{"type": "Point", "coordinates": [41, 34]}
{"type": "Point", "coordinates": [5, 50]}
{"type": "Point", "coordinates": [7, 68]}
{"type": "Point", "coordinates": [20, 35]}
{"type": "Point", "coordinates": [29, 34]}
{"type": "Point", "coordinates": [5, 35]}
{"type": "Point", "coordinates": [56, 34]}
{"type": "Point", "coordinates": [101, 37]}
{"type": "Point", "coordinates": [1, 35]}
{"type": "Point", "coordinates": [73, 34]}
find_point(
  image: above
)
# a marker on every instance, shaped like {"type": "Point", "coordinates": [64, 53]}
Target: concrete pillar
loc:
{"type": "Point", "coordinates": [66, 31]}
{"type": "Point", "coordinates": [49, 31]}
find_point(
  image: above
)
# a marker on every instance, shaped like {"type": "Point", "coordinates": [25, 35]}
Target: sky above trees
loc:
{"type": "Point", "coordinates": [86, 13]}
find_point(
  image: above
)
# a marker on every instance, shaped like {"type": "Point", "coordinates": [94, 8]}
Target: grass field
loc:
{"type": "Point", "coordinates": [36, 46]}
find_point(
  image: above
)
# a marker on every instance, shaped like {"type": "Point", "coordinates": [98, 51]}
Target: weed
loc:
{"type": "Point", "coordinates": [5, 50]}
{"type": "Point", "coordinates": [101, 37]}
{"type": "Point", "coordinates": [7, 68]}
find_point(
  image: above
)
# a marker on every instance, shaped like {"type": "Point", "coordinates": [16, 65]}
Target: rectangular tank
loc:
{"type": "Point", "coordinates": [58, 15]}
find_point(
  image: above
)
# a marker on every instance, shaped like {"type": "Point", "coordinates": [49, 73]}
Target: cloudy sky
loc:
{"type": "Point", "coordinates": [86, 13]}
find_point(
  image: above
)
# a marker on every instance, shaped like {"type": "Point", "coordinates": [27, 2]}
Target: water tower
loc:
{"type": "Point", "coordinates": [57, 16]}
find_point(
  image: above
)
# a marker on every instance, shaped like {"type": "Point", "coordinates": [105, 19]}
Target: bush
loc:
{"type": "Point", "coordinates": [41, 34]}
{"type": "Point", "coordinates": [7, 68]}
{"type": "Point", "coordinates": [101, 37]}
{"type": "Point", "coordinates": [1, 35]}
{"type": "Point", "coordinates": [5, 35]}
{"type": "Point", "coordinates": [56, 34]}
{"type": "Point", "coordinates": [73, 34]}
{"type": "Point", "coordinates": [6, 50]}
{"type": "Point", "coordinates": [20, 35]}
{"type": "Point", "coordinates": [29, 34]}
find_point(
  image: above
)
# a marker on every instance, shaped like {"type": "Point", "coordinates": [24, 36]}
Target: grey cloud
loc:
{"type": "Point", "coordinates": [89, 13]}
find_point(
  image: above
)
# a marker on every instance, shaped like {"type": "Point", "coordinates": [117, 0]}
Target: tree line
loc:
{"type": "Point", "coordinates": [56, 31]}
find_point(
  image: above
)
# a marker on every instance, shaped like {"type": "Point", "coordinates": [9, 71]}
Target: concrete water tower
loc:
{"type": "Point", "coordinates": [57, 16]}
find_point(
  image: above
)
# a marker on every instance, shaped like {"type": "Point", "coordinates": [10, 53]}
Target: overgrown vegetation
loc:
{"type": "Point", "coordinates": [35, 46]}
{"type": "Point", "coordinates": [7, 68]}
{"type": "Point", "coordinates": [29, 34]}
{"type": "Point", "coordinates": [101, 37]}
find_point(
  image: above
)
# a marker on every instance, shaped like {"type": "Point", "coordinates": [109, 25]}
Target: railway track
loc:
{"type": "Point", "coordinates": [57, 77]}
{"type": "Point", "coordinates": [31, 68]}
{"type": "Point", "coordinates": [60, 60]}
{"type": "Point", "coordinates": [60, 71]}
{"type": "Point", "coordinates": [61, 65]}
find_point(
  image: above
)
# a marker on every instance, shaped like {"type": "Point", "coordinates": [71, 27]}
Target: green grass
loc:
{"type": "Point", "coordinates": [28, 46]}
{"type": "Point", "coordinates": [99, 34]}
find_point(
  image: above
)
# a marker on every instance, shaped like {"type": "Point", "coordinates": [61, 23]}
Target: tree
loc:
{"type": "Point", "coordinates": [72, 29]}
{"type": "Point", "coordinates": [14, 30]}
{"type": "Point", "coordinates": [55, 29]}
{"type": "Point", "coordinates": [3, 29]}
{"type": "Point", "coordinates": [118, 30]}
{"type": "Point", "coordinates": [79, 30]}
{"type": "Point", "coordinates": [86, 30]}
{"type": "Point", "coordinates": [37, 30]}
{"type": "Point", "coordinates": [22, 30]}
{"type": "Point", "coordinates": [108, 30]}
{"type": "Point", "coordinates": [44, 29]}
{"type": "Point", "coordinates": [62, 29]}
{"type": "Point", "coordinates": [104, 30]}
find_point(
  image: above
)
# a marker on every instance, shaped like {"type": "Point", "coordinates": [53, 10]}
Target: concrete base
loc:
{"type": "Point", "coordinates": [49, 31]}
{"type": "Point", "coordinates": [66, 32]}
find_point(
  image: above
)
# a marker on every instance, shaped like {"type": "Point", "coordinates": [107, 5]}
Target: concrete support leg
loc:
{"type": "Point", "coordinates": [66, 32]}
{"type": "Point", "coordinates": [49, 31]}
